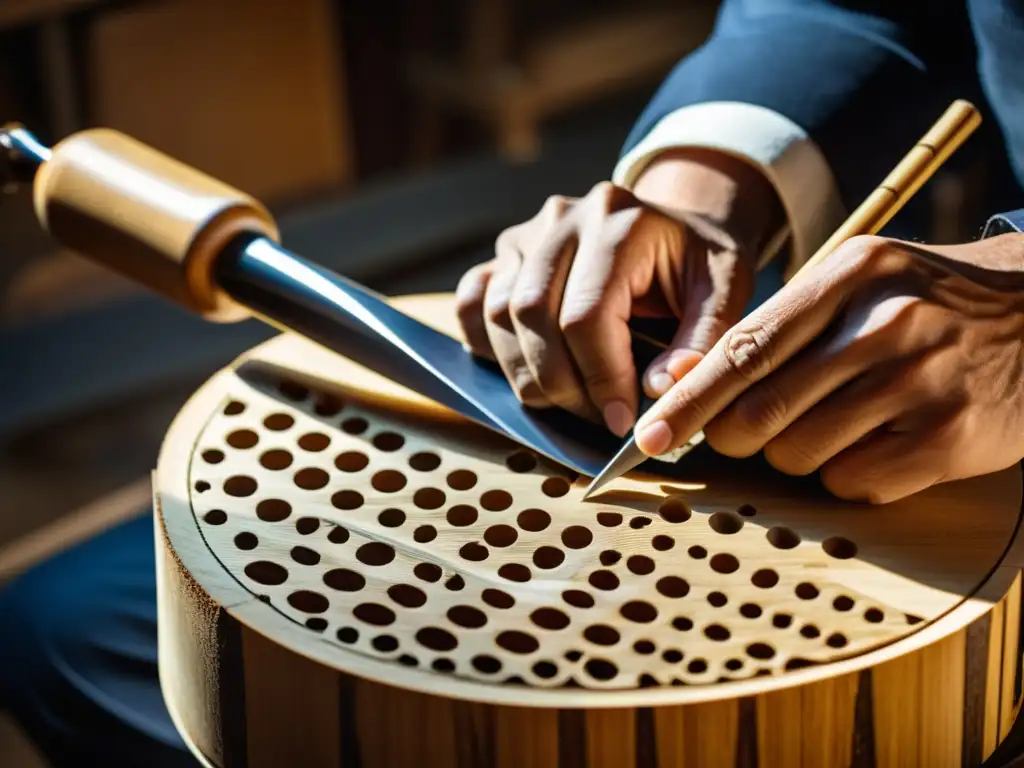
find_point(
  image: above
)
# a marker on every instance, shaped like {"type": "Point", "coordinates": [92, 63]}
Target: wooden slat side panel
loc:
{"type": "Point", "coordinates": [710, 733]}
{"type": "Point", "coordinates": [525, 738]}
{"type": "Point", "coordinates": [670, 738]}
{"type": "Point", "coordinates": [827, 720]}
{"type": "Point", "coordinates": [941, 702]}
{"type": "Point", "coordinates": [993, 678]}
{"type": "Point", "coordinates": [611, 738]}
{"type": "Point", "coordinates": [895, 687]}
{"type": "Point", "coordinates": [780, 729]}
{"type": "Point", "coordinates": [292, 707]}
{"type": "Point", "coordinates": [1011, 658]}
{"type": "Point", "coordinates": [976, 691]}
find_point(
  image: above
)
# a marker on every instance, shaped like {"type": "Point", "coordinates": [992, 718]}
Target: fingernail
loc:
{"type": "Point", "coordinates": [660, 382]}
{"type": "Point", "coordinates": [618, 416]}
{"type": "Point", "coordinates": [654, 439]}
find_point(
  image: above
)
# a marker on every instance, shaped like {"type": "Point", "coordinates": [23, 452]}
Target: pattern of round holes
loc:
{"type": "Point", "coordinates": [439, 552]}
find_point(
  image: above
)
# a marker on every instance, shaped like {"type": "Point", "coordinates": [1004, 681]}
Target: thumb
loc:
{"type": "Point", "coordinates": [714, 295]}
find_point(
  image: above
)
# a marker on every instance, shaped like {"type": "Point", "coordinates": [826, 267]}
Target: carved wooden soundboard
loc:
{"type": "Point", "coordinates": [350, 575]}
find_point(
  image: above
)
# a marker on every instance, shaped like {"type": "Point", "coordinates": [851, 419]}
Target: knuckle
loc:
{"type": "Point", "coordinates": [554, 207]}
{"type": "Point", "coordinates": [791, 457]}
{"type": "Point", "coordinates": [748, 351]}
{"type": "Point", "coordinates": [529, 306]}
{"type": "Point", "coordinates": [579, 320]}
{"type": "Point", "coordinates": [760, 411]}
{"type": "Point", "coordinates": [496, 311]}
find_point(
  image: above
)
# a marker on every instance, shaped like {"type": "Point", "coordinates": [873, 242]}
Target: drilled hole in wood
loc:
{"type": "Point", "coordinates": [682, 623]}
{"type": "Point", "coordinates": [424, 534]}
{"type": "Point", "coordinates": [338, 535]}
{"type": "Point", "coordinates": [424, 461]}
{"type": "Point", "coordinates": [672, 586]}
{"type": "Point", "coordinates": [308, 602]}
{"type": "Point", "coordinates": [391, 518]}
{"type": "Point", "coordinates": [385, 643]}
{"type": "Point", "coordinates": [810, 631]}
{"type": "Point", "coordinates": [213, 456]}
{"type": "Point", "coordinates": [233, 408]}
{"type": "Point", "coordinates": [267, 573]}
{"type": "Point", "coordinates": [242, 439]}
{"type": "Point", "coordinates": [639, 611]}
{"type": "Point", "coordinates": [443, 665]}
{"type": "Point", "coordinates": [521, 461]}
{"type": "Point", "coordinates": [273, 510]}
{"type": "Point", "coordinates": [662, 543]}
{"type": "Point", "coordinates": [601, 634]}
{"type": "Point", "coordinates": [344, 580]}
{"type": "Point", "coordinates": [348, 635]}
{"type": "Point", "coordinates": [717, 633]}
{"type": "Point", "coordinates": [374, 613]}
{"type": "Point", "coordinates": [246, 541]}
{"type": "Point", "coordinates": [609, 519]}
{"type": "Point", "coordinates": [672, 656]}
{"type": "Point", "coordinates": [573, 656]}
{"type": "Point", "coordinates": [461, 480]}
{"type": "Point", "coordinates": [548, 557]}
{"type": "Point", "coordinates": [604, 580]}
{"type": "Point", "coordinates": [408, 661]}
{"type": "Point", "coordinates": [545, 670]}
{"type": "Point", "coordinates": [806, 591]}
{"type": "Point", "coordinates": [674, 510]}
{"type": "Point", "coordinates": [293, 390]}
{"type": "Point", "coordinates": [215, 517]}
{"type": "Point", "coordinates": [577, 537]}
{"type": "Point", "coordinates": [533, 520]}
{"type": "Point", "coordinates": [436, 639]}
{"type": "Point", "coordinates": [428, 572]}
{"type": "Point", "coordinates": [760, 651]}
{"type": "Point", "coordinates": [601, 669]}
{"type": "Point", "coordinates": [697, 552]}
{"type": "Point", "coordinates": [305, 556]}
{"type": "Point", "coordinates": [549, 618]}
{"type": "Point", "coordinates": [407, 595]}
{"type": "Point", "coordinates": [240, 486]}
{"type": "Point", "coordinates": [388, 441]}
{"type": "Point", "coordinates": [639, 522]}
{"type": "Point", "coordinates": [578, 598]}
{"type": "Point", "coordinates": [461, 515]}
{"type": "Point", "coordinates": [644, 647]}
{"type": "Point", "coordinates": [836, 640]}
{"type": "Point", "coordinates": [839, 548]}
{"type": "Point", "coordinates": [316, 624]}
{"type": "Point", "coordinates": [311, 478]}
{"type": "Point", "coordinates": [750, 610]}
{"type": "Point", "coordinates": [515, 641]}
{"type": "Point", "coordinates": [498, 599]}
{"type": "Point", "coordinates": [783, 538]}
{"type": "Point", "coordinates": [764, 578]}
{"type": "Point", "coordinates": [429, 498]}
{"type": "Point", "coordinates": [314, 442]}
{"type": "Point", "coordinates": [717, 599]}
{"type": "Point", "coordinates": [610, 557]}
{"type": "Point", "coordinates": [641, 565]}
{"type": "Point", "coordinates": [355, 425]}
{"type": "Point", "coordinates": [202, 486]}
{"type": "Point", "coordinates": [278, 422]}
{"type": "Point", "coordinates": [747, 511]}
{"type": "Point", "coordinates": [455, 584]}
{"type": "Point", "coordinates": [782, 620]}
{"type": "Point", "coordinates": [874, 615]}
{"type": "Point", "coordinates": [496, 500]}
{"type": "Point", "coordinates": [514, 572]}
{"type": "Point", "coordinates": [555, 487]}
{"type": "Point", "coordinates": [375, 553]}
{"type": "Point", "coordinates": [351, 461]}
{"type": "Point", "coordinates": [842, 603]}
{"type": "Point", "coordinates": [467, 616]}
{"type": "Point", "coordinates": [724, 563]}
{"type": "Point", "coordinates": [488, 665]}
{"type": "Point", "coordinates": [473, 552]}
{"type": "Point", "coordinates": [501, 535]}
{"type": "Point", "coordinates": [347, 500]}
{"type": "Point", "coordinates": [328, 405]}
{"type": "Point", "coordinates": [307, 525]}
{"type": "Point", "coordinates": [725, 523]}
{"type": "Point", "coordinates": [276, 459]}
{"type": "Point", "coordinates": [734, 665]}
{"type": "Point", "coordinates": [388, 481]}
{"type": "Point", "coordinates": [697, 667]}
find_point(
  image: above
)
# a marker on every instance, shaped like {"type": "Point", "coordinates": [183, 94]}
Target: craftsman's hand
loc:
{"type": "Point", "coordinates": [552, 306]}
{"type": "Point", "coordinates": [889, 367]}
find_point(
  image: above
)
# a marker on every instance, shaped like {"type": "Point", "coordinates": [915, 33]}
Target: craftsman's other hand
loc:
{"type": "Point", "coordinates": [888, 367]}
{"type": "Point", "coordinates": [552, 306]}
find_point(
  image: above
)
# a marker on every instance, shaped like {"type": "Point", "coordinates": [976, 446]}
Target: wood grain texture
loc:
{"type": "Point", "coordinates": [388, 647]}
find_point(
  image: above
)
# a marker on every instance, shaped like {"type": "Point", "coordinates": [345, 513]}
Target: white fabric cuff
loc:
{"type": "Point", "coordinates": [780, 148]}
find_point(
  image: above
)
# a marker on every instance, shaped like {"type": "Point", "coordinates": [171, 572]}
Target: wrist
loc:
{"type": "Point", "coordinates": [720, 196]}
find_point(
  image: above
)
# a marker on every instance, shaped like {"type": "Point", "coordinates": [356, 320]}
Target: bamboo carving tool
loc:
{"type": "Point", "coordinates": [944, 137]}
{"type": "Point", "coordinates": [214, 251]}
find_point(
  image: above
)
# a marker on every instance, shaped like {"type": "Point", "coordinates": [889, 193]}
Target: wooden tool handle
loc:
{"type": "Point", "coordinates": [146, 216]}
{"type": "Point", "coordinates": [944, 137]}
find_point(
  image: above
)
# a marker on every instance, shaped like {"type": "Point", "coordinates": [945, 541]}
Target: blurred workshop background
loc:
{"type": "Point", "coordinates": [393, 140]}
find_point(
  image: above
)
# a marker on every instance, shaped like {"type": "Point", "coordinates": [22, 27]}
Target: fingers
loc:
{"type": "Point", "coordinates": [469, 303]}
{"type": "Point", "coordinates": [748, 352]}
{"type": "Point", "coordinates": [890, 465]}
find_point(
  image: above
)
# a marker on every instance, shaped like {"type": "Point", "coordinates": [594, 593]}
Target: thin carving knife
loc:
{"type": "Point", "coordinates": [945, 136]}
{"type": "Point", "coordinates": [152, 219]}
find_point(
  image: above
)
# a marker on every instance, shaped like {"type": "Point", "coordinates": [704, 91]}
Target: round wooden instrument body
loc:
{"type": "Point", "coordinates": [350, 575]}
